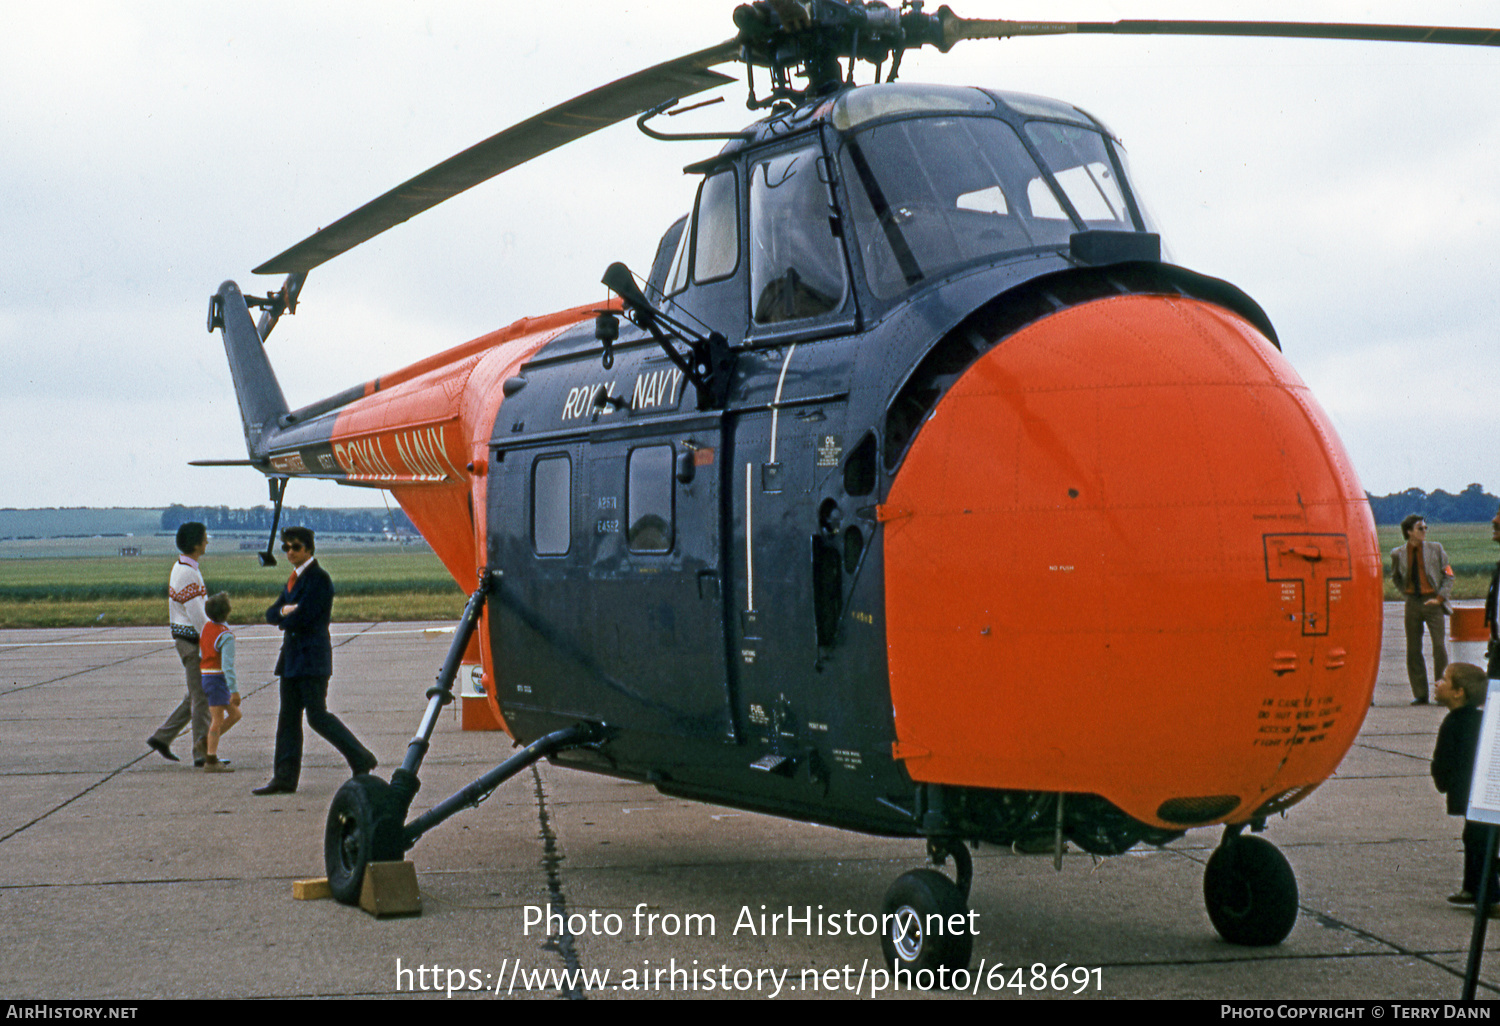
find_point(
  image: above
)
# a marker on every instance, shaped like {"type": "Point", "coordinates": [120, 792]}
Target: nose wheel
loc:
{"type": "Point", "coordinates": [1250, 891]}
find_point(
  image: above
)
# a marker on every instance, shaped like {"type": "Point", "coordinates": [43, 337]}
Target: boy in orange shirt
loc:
{"type": "Point", "coordinates": [216, 645]}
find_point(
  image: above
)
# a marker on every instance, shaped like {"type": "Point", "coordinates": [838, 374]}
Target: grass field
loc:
{"type": "Point", "coordinates": [54, 589]}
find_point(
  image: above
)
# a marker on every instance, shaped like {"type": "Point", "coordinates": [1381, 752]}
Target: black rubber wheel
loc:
{"type": "Point", "coordinates": [363, 827]}
{"type": "Point", "coordinates": [1250, 892]}
{"type": "Point", "coordinates": [916, 921]}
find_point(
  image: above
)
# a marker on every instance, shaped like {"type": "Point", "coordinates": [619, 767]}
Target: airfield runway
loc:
{"type": "Point", "coordinates": [125, 876]}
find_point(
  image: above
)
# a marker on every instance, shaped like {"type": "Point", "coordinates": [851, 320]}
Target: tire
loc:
{"type": "Point", "coordinates": [1250, 892]}
{"type": "Point", "coordinates": [363, 827]}
{"type": "Point", "coordinates": [905, 938]}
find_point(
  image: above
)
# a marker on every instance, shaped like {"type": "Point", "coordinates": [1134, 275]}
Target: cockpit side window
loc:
{"type": "Point", "coordinates": [709, 249]}
{"type": "Point", "coordinates": [716, 251]}
{"type": "Point", "coordinates": [677, 277]}
{"type": "Point", "coordinates": [796, 266]}
{"type": "Point", "coordinates": [1082, 169]}
{"type": "Point", "coordinates": [661, 264]}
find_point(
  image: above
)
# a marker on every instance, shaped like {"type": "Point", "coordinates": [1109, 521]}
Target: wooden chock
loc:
{"type": "Point", "coordinates": [390, 889]}
{"type": "Point", "coordinates": [311, 890]}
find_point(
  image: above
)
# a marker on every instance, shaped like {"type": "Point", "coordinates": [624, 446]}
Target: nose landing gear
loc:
{"type": "Point", "coordinates": [1250, 890]}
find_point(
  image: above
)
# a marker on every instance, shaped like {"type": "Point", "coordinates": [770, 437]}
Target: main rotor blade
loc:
{"type": "Point", "coordinates": [556, 127]}
{"type": "Point", "coordinates": [955, 29]}
{"type": "Point", "coordinates": [1295, 30]}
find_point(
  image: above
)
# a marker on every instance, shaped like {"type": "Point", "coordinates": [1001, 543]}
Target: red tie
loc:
{"type": "Point", "coordinates": [291, 582]}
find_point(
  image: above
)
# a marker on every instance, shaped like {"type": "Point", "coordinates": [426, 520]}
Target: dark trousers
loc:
{"type": "Point", "coordinates": [1475, 838]}
{"type": "Point", "coordinates": [1420, 616]}
{"type": "Point", "coordinates": [310, 695]}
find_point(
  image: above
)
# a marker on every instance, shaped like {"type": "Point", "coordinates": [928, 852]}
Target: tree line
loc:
{"type": "Point", "coordinates": [1473, 505]}
{"type": "Point", "coordinates": [258, 518]}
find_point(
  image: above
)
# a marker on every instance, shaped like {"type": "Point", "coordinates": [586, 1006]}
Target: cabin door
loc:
{"type": "Point", "coordinates": [613, 595]}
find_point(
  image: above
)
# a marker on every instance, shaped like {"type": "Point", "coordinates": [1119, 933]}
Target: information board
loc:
{"type": "Point", "coordinates": [1484, 790]}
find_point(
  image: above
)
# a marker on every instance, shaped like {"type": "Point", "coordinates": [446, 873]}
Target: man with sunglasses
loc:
{"type": "Point", "coordinates": [1425, 580]}
{"type": "Point", "coordinates": [303, 611]}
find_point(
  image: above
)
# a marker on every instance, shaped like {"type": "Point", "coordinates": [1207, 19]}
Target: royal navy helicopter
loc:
{"type": "Point", "coordinates": [785, 525]}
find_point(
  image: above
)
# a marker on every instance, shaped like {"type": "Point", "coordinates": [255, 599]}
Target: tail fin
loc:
{"type": "Point", "coordinates": [262, 404]}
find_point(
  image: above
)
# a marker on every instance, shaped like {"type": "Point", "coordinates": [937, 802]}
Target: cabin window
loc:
{"type": "Point", "coordinates": [551, 505]}
{"type": "Point", "coordinates": [649, 497]}
{"type": "Point", "coordinates": [716, 253]}
{"type": "Point", "coordinates": [796, 266]}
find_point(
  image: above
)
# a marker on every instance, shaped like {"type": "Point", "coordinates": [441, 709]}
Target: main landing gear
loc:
{"type": "Point", "coordinates": [925, 922]}
{"type": "Point", "coordinates": [367, 820]}
{"type": "Point", "coordinates": [1249, 890]}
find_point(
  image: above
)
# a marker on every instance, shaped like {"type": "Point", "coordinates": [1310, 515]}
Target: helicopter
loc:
{"type": "Point", "coordinates": [785, 525]}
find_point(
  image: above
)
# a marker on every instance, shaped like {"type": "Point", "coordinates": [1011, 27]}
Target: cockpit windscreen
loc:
{"type": "Point", "coordinates": [931, 194]}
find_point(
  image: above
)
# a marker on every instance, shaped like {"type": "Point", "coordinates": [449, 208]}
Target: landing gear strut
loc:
{"type": "Point", "coordinates": [367, 820]}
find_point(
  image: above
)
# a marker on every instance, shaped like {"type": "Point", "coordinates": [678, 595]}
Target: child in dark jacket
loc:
{"type": "Point", "coordinates": [1462, 692]}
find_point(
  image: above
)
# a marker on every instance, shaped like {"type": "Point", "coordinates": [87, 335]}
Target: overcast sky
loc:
{"type": "Point", "coordinates": [151, 150]}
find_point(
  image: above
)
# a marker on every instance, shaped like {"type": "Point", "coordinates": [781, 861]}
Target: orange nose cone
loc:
{"type": "Point", "coordinates": [1128, 556]}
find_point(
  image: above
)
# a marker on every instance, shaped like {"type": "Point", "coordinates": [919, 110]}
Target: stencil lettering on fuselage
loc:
{"type": "Point", "coordinates": [1318, 562]}
{"type": "Point", "coordinates": [581, 401]}
{"type": "Point", "coordinates": [656, 390]}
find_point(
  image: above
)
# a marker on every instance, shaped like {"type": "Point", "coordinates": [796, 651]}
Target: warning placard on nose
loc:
{"type": "Point", "coordinates": [1318, 562]}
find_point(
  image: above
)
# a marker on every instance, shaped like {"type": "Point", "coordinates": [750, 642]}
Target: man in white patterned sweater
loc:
{"type": "Point", "coordinates": [186, 594]}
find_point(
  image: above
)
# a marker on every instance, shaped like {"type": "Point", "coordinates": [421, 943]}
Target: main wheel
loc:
{"type": "Point", "coordinates": [363, 827]}
{"type": "Point", "coordinates": [1250, 892]}
{"type": "Point", "coordinates": [916, 924]}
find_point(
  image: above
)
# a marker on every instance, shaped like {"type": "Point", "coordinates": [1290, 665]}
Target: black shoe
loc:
{"type": "Point", "coordinates": [1419, 701]}
{"type": "Point", "coordinates": [161, 750]}
{"type": "Point", "coordinates": [364, 767]}
{"type": "Point", "coordinates": [198, 763]}
{"type": "Point", "coordinates": [275, 787]}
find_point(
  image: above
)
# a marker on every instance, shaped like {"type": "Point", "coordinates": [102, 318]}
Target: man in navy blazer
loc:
{"type": "Point", "coordinates": [303, 611]}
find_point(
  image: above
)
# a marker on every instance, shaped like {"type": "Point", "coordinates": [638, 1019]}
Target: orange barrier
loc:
{"type": "Point", "coordinates": [1467, 624]}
